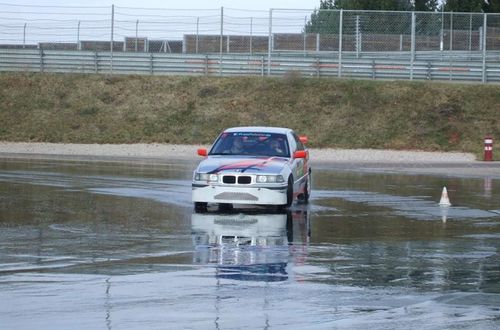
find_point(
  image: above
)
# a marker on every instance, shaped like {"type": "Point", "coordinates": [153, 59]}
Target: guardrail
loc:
{"type": "Point", "coordinates": [447, 66]}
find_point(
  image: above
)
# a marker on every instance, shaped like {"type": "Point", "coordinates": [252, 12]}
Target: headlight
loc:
{"type": "Point", "coordinates": [270, 179]}
{"type": "Point", "coordinates": [206, 177]}
{"type": "Point", "coordinates": [261, 178]}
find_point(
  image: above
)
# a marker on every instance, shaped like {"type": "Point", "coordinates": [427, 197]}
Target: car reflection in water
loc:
{"type": "Point", "coordinates": [251, 246]}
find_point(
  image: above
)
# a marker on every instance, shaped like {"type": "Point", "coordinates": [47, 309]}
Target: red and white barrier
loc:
{"type": "Point", "coordinates": [488, 149]}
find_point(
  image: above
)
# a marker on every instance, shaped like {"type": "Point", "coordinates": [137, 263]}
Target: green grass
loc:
{"type": "Point", "coordinates": [75, 108]}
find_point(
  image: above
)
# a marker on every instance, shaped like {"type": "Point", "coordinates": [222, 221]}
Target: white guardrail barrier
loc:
{"type": "Point", "coordinates": [443, 66]}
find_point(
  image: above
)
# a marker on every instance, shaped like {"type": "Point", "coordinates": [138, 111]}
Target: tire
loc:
{"type": "Point", "coordinates": [200, 207]}
{"type": "Point", "coordinates": [225, 207]}
{"type": "Point", "coordinates": [307, 189]}
{"type": "Point", "coordinates": [289, 192]}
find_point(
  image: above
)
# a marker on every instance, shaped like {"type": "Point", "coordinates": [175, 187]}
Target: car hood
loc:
{"type": "Point", "coordinates": [249, 165]}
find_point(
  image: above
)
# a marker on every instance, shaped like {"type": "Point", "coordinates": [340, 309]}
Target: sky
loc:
{"type": "Point", "coordinates": [184, 4]}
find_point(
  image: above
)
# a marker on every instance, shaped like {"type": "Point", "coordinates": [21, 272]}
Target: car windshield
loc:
{"type": "Point", "coordinates": [251, 143]}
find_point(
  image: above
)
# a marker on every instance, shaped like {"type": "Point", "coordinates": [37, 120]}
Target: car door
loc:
{"type": "Point", "coordinates": [300, 166]}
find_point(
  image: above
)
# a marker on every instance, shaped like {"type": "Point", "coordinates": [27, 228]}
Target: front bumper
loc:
{"type": "Point", "coordinates": [232, 194]}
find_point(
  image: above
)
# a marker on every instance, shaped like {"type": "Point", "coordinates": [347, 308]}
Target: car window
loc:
{"type": "Point", "coordinates": [251, 143]}
{"type": "Point", "coordinates": [300, 146]}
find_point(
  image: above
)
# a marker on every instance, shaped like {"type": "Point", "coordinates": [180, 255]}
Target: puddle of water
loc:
{"type": "Point", "coordinates": [92, 245]}
{"type": "Point", "coordinates": [411, 207]}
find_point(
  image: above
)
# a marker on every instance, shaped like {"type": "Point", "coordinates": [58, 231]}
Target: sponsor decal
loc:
{"type": "Point", "coordinates": [251, 134]}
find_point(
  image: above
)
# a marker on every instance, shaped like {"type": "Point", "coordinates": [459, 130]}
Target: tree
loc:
{"type": "Point", "coordinates": [425, 5]}
{"type": "Point", "coordinates": [368, 4]}
{"type": "Point", "coordinates": [325, 20]}
{"type": "Point", "coordinates": [464, 6]}
{"type": "Point", "coordinates": [326, 4]}
{"type": "Point", "coordinates": [397, 5]}
{"type": "Point", "coordinates": [491, 6]}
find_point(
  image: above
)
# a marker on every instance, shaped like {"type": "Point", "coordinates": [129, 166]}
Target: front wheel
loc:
{"type": "Point", "coordinates": [307, 188]}
{"type": "Point", "coordinates": [289, 192]}
{"type": "Point", "coordinates": [200, 207]}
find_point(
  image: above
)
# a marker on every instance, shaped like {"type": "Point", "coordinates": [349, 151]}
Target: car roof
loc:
{"type": "Point", "coordinates": [259, 129]}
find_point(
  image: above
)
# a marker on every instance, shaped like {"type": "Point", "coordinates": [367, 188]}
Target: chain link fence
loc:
{"type": "Point", "coordinates": [328, 34]}
{"type": "Point", "coordinates": [378, 31]}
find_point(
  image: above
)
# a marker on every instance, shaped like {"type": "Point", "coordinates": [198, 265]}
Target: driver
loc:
{"type": "Point", "coordinates": [276, 147]}
{"type": "Point", "coordinates": [237, 147]}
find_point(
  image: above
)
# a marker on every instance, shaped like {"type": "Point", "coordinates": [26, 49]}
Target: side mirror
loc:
{"type": "Point", "coordinates": [303, 139]}
{"type": "Point", "coordinates": [202, 152]}
{"type": "Point", "coordinates": [300, 154]}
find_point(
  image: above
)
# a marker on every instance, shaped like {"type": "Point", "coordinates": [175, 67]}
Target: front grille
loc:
{"type": "Point", "coordinates": [232, 179]}
{"type": "Point", "coordinates": [244, 180]}
{"type": "Point", "coordinates": [236, 196]}
{"type": "Point", "coordinates": [229, 179]}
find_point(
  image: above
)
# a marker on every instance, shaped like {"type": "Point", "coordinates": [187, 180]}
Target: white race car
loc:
{"type": "Point", "coordinates": [253, 165]}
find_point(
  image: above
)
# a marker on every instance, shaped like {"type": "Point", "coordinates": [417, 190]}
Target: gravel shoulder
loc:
{"type": "Point", "coordinates": [364, 160]}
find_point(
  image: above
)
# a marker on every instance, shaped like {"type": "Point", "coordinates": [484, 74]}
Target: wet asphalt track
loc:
{"type": "Point", "coordinates": [96, 245]}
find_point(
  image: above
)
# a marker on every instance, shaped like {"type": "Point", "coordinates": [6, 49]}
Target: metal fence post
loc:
{"type": "Point", "coordinates": [197, 34]}
{"type": "Point", "coordinates": [136, 34]}
{"type": "Point", "coordinates": [112, 36]}
{"type": "Point", "coordinates": [470, 33]}
{"type": "Point", "coordinates": [357, 36]}
{"type": "Point", "coordinates": [24, 35]}
{"type": "Point", "coordinates": [341, 19]}
{"type": "Point", "coordinates": [412, 55]}
{"type": "Point", "coordinates": [270, 42]}
{"type": "Point", "coordinates": [78, 37]}
{"type": "Point", "coordinates": [251, 34]}
{"type": "Point", "coordinates": [305, 36]}
{"type": "Point", "coordinates": [151, 64]}
{"type": "Point", "coordinates": [481, 38]}
{"type": "Point", "coordinates": [451, 31]}
{"type": "Point", "coordinates": [484, 42]}
{"type": "Point", "coordinates": [41, 59]}
{"type": "Point", "coordinates": [441, 41]}
{"type": "Point", "coordinates": [221, 39]}
{"type": "Point", "coordinates": [96, 62]}
{"type": "Point", "coordinates": [450, 51]}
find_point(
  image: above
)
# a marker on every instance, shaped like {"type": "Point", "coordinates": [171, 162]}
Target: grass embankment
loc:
{"type": "Point", "coordinates": [76, 108]}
